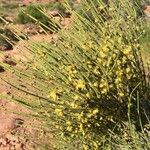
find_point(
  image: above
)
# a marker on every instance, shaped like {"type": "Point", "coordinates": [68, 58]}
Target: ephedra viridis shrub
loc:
{"type": "Point", "coordinates": [84, 84]}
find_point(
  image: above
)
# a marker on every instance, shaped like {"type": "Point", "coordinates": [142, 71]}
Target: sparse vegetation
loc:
{"type": "Point", "coordinates": [36, 14]}
{"type": "Point", "coordinates": [89, 87]}
{"type": "Point", "coordinates": [144, 40]}
{"type": "Point", "coordinates": [8, 8]}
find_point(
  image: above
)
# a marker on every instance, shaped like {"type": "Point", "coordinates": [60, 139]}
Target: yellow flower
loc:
{"type": "Point", "coordinates": [96, 20]}
{"type": "Point", "coordinates": [85, 120]}
{"type": "Point", "coordinates": [79, 116]}
{"type": "Point", "coordinates": [57, 126]}
{"type": "Point", "coordinates": [121, 94]}
{"type": "Point", "coordinates": [58, 112]}
{"type": "Point", "coordinates": [95, 111]}
{"type": "Point", "coordinates": [119, 73]}
{"type": "Point", "coordinates": [81, 129]}
{"type": "Point", "coordinates": [72, 135]}
{"type": "Point", "coordinates": [53, 94]}
{"type": "Point", "coordinates": [118, 80]}
{"type": "Point", "coordinates": [69, 78]}
{"type": "Point", "coordinates": [118, 62]}
{"type": "Point", "coordinates": [99, 60]}
{"type": "Point", "coordinates": [127, 50]}
{"type": "Point", "coordinates": [119, 40]}
{"type": "Point", "coordinates": [104, 91]}
{"type": "Point", "coordinates": [124, 59]}
{"type": "Point", "coordinates": [114, 56]}
{"type": "Point", "coordinates": [96, 71]}
{"type": "Point", "coordinates": [128, 70]}
{"type": "Point", "coordinates": [81, 126]}
{"type": "Point", "coordinates": [34, 67]}
{"type": "Point", "coordinates": [46, 72]}
{"type": "Point", "coordinates": [103, 83]}
{"type": "Point", "coordinates": [89, 125]}
{"type": "Point", "coordinates": [101, 7]}
{"type": "Point", "coordinates": [95, 146]}
{"type": "Point", "coordinates": [95, 84]}
{"type": "Point", "coordinates": [69, 128]}
{"type": "Point", "coordinates": [111, 9]}
{"type": "Point", "coordinates": [80, 84]}
{"type": "Point", "coordinates": [84, 47]}
{"type": "Point", "coordinates": [85, 147]}
{"type": "Point", "coordinates": [90, 44]}
{"type": "Point", "coordinates": [89, 115]}
{"type": "Point", "coordinates": [102, 54]}
{"type": "Point", "coordinates": [105, 48]}
{"type": "Point", "coordinates": [90, 66]}
{"type": "Point", "coordinates": [128, 17]}
{"type": "Point", "coordinates": [69, 69]}
{"type": "Point", "coordinates": [111, 86]}
{"type": "Point", "coordinates": [73, 105]}
{"type": "Point", "coordinates": [88, 95]}
{"type": "Point", "coordinates": [76, 130]}
{"type": "Point", "coordinates": [128, 76]}
{"type": "Point", "coordinates": [76, 97]}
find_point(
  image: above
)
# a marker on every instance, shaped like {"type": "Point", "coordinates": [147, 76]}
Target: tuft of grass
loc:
{"type": "Point", "coordinates": [35, 14]}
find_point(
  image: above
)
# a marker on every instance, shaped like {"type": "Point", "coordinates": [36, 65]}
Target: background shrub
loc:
{"type": "Point", "coordinates": [36, 14]}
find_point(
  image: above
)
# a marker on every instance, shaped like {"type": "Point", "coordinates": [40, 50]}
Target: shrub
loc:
{"type": "Point", "coordinates": [88, 81]}
{"type": "Point", "coordinates": [33, 11]}
{"type": "Point", "coordinates": [35, 14]}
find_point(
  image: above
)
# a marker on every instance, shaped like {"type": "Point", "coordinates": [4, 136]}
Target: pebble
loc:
{"type": "Point", "coordinates": [147, 11]}
{"type": "Point", "coordinates": [18, 146]}
{"type": "Point", "coordinates": [3, 142]}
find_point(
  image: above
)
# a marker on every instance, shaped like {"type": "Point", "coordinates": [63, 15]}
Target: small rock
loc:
{"type": "Point", "coordinates": [41, 31]}
{"type": "Point", "coordinates": [78, 1]}
{"type": "Point", "coordinates": [9, 137]}
{"type": "Point", "coordinates": [147, 11]}
{"type": "Point", "coordinates": [18, 146]}
{"type": "Point", "coordinates": [7, 123]}
{"type": "Point", "coordinates": [54, 13]}
{"type": "Point", "coordinates": [9, 19]}
{"type": "Point", "coordinates": [18, 122]}
{"type": "Point", "coordinates": [6, 47]}
{"type": "Point", "coordinates": [9, 61]}
{"type": "Point", "coordinates": [13, 143]}
{"type": "Point", "coordinates": [3, 142]}
{"type": "Point", "coordinates": [15, 139]}
{"type": "Point", "coordinates": [1, 69]}
{"type": "Point", "coordinates": [57, 19]}
{"type": "Point", "coordinates": [66, 22]}
{"type": "Point", "coordinates": [12, 148]}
